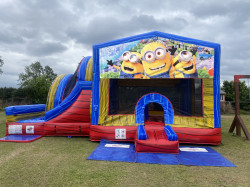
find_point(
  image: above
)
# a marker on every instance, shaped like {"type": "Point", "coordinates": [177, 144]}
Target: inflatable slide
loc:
{"type": "Point", "coordinates": [66, 113]}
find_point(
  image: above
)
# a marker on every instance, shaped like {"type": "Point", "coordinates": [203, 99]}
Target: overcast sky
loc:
{"type": "Point", "coordinates": [59, 32]}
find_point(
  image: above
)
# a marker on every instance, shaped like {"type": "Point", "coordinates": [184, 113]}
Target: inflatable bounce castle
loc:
{"type": "Point", "coordinates": [155, 89]}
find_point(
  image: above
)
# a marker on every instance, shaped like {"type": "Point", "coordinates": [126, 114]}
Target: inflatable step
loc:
{"type": "Point", "coordinates": [156, 140]}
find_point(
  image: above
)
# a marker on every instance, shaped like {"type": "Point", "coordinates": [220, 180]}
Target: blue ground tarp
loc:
{"type": "Point", "coordinates": [20, 138]}
{"type": "Point", "coordinates": [188, 155]}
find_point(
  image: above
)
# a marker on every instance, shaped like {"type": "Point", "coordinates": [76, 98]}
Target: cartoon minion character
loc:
{"type": "Point", "coordinates": [156, 61]}
{"type": "Point", "coordinates": [184, 64]}
{"type": "Point", "coordinates": [131, 66]}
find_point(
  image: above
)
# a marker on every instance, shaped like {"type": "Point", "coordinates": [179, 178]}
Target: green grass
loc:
{"type": "Point", "coordinates": [59, 161]}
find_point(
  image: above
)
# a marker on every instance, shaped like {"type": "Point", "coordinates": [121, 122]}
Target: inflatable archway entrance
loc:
{"type": "Point", "coordinates": [154, 98]}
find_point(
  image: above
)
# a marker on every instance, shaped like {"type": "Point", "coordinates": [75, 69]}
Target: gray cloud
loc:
{"type": "Point", "coordinates": [208, 9]}
{"type": "Point", "coordinates": [104, 29]}
{"type": "Point", "coordinates": [45, 48]}
{"type": "Point", "coordinates": [8, 80]}
{"type": "Point", "coordinates": [59, 33]}
{"type": "Point", "coordinates": [8, 37]}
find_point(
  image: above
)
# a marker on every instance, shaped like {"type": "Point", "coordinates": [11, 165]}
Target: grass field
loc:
{"type": "Point", "coordinates": [59, 161]}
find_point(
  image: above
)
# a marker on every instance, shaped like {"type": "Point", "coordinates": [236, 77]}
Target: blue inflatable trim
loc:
{"type": "Point", "coordinates": [172, 136]}
{"type": "Point", "coordinates": [69, 100]}
{"type": "Point", "coordinates": [60, 89]}
{"type": "Point", "coordinates": [96, 87]}
{"type": "Point", "coordinates": [154, 98]}
{"type": "Point", "coordinates": [216, 87]}
{"type": "Point", "coordinates": [141, 133]}
{"type": "Point", "coordinates": [24, 109]}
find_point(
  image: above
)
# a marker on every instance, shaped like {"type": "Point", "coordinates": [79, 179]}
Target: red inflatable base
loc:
{"type": "Point", "coordinates": [24, 128]}
{"type": "Point", "coordinates": [66, 129]}
{"type": "Point", "coordinates": [198, 136]}
{"type": "Point", "coordinates": [97, 132]}
{"type": "Point", "coordinates": [185, 135]}
{"type": "Point", "coordinates": [48, 129]}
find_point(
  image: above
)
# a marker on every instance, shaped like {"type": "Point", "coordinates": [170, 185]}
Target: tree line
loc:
{"type": "Point", "coordinates": [228, 88]}
{"type": "Point", "coordinates": [34, 84]}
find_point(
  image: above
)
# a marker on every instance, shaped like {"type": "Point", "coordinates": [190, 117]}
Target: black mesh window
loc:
{"type": "Point", "coordinates": [184, 94]}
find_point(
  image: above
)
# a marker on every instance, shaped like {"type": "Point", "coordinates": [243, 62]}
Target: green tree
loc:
{"type": "Point", "coordinates": [1, 64]}
{"type": "Point", "coordinates": [228, 87]}
{"type": "Point", "coordinates": [36, 81]}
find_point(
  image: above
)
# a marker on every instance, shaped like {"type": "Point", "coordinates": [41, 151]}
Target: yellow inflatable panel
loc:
{"type": "Point", "coordinates": [89, 70]}
{"type": "Point", "coordinates": [18, 117]}
{"type": "Point", "coordinates": [52, 92]}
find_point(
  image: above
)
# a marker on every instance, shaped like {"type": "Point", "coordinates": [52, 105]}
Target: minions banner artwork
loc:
{"type": "Point", "coordinates": [156, 58]}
